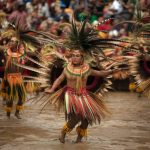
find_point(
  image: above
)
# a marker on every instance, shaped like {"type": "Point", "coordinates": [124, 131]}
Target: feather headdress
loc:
{"type": "Point", "coordinates": [22, 33]}
{"type": "Point", "coordinates": [85, 38]}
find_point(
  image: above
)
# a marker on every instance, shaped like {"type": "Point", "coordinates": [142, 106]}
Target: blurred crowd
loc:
{"type": "Point", "coordinates": [46, 15]}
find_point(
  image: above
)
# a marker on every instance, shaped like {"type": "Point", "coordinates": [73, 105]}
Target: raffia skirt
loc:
{"type": "Point", "coordinates": [13, 87]}
{"type": "Point", "coordinates": [85, 105]}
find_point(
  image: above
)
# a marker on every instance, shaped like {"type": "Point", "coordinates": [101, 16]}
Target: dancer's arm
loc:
{"type": "Point", "coordinates": [56, 83]}
{"type": "Point", "coordinates": [103, 73]}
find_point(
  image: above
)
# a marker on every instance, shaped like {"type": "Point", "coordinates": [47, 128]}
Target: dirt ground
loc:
{"type": "Point", "coordinates": [128, 128]}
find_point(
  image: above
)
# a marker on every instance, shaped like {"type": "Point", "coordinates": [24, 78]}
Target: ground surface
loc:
{"type": "Point", "coordinates": [127, 129]}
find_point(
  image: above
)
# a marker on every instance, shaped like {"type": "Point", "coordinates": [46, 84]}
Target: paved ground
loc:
{"type": "Point", "coordinates": [127, 129]}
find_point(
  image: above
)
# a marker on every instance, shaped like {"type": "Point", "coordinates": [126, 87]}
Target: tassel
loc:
{"type": "Point", "coordinates": [18, 107]}
{"type": "Point", "coordinates": [139, 90]}
{"type": "Point", "coordinates": [81, 132]}
{"type": "Point", "coordinates": [79, 84]}
{"type": "Point", "coordinates": [66, 129]}
{"type": "Point", "coordinates": [132, 86]}
{"type": "Point", "coordinates": [8, 109]}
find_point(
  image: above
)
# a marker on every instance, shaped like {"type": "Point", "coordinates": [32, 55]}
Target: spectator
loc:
{"type": "Point", "coordinates": [116, 6]}
{"type": "Point", "coordinates": [19, 15]}
{"type": "Point", "coordinates": [62, 16]}
{"type": "Point", "coordinates": [43, 9]}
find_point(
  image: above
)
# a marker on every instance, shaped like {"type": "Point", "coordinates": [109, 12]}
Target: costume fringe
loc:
{"type": "Point", "coordinates": [14, 87]}
{"type": "Point", "coordinates": [18, 107]}
{"type": "Point", "coordinates": [86, 106]}
{"type": "Point", "coordinates": [132, 86]}
{"type": "Point", "coordinates": [8, 109]}
{"type": "Point", "coordinates": [81, 132]}
{"type": "Point", "coordinates": [66, 129]}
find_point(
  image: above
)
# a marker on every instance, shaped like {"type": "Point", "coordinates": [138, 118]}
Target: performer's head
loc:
{"type": "Point", "coordinates": [77, 57]}
{"type": "Point", "coordinates": [13, 44]}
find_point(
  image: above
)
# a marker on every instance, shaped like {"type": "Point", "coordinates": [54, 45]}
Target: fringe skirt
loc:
{"type": "Point", "coordinates": [32, 87]}
{"type": "Point", "coordinates": [87, 105]}
{"type": "Point", "coordinates": [13, 87]}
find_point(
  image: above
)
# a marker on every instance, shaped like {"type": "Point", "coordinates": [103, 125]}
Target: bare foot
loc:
{"type": "Point", "coordinates": [62, 137]}
{"type": "Point", "coordinates": [18, 116]}
{"type": "Point", "coordinates": [8, 115]}
{"type": "Point", "coordinates": [79, 139]}
{"type": "Point", "coordinates": [61, 140]}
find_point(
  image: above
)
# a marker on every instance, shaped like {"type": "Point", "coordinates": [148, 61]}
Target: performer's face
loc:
{"type": "Point", "coordinates": [13, 43]}
{"type": "Point", "coordinates": [76, 58]}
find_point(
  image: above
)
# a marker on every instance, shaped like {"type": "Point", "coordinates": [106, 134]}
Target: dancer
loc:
{"type": "Point", "coordinates": [80, 104]}
{"type": "Point", "coordinates": [13, 86]}
{"type": "Point", "coordinates": [15, 49]}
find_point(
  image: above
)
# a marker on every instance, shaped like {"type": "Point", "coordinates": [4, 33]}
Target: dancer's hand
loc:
{"type": "Point", "coordinates": [49, 90]}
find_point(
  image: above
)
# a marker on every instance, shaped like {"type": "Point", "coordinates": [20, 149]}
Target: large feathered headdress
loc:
{"type": "Point", "coordinates": [84, 37]}
{"type": "Point", "coordinates": [140, 31]}
{"type": "Point", "coordinates": [22, 33]}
